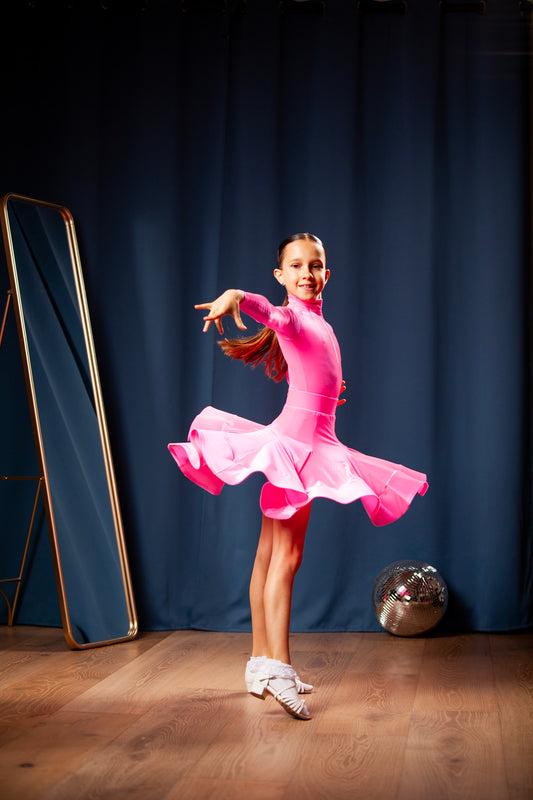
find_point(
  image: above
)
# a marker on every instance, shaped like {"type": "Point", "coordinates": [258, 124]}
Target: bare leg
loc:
{"type": "Point", "coordinates": [278, 558]}
{"type": "Point", "coordinates": [288, 537]}
{"type": "Point", "coordinates": [257, 588]}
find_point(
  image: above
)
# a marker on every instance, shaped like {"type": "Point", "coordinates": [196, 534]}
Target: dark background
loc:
{"type": "Point", "coordinates": [187, 146]}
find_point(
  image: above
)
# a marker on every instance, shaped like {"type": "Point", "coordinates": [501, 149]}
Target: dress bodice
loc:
{"type": "Point", "coordinates": [307, 341]}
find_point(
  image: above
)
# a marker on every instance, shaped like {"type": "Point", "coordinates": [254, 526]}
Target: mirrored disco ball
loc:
{"type": "Point", "coordinates": [409, 597]}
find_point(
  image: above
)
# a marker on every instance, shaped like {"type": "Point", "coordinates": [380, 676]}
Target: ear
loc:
{"type": "Point", "coordinates": [278, 274]}
{"type": "Point", "coordinates": [326, 276]}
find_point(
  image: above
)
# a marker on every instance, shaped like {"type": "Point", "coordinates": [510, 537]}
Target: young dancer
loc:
{"type": "Point", "coordinates": [298, 452]}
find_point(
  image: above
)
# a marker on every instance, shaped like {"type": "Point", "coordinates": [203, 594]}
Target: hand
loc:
{"type": "Point", "coordinates": [342, 389]}
{"type": "Point", "coordinates": [226, 303]}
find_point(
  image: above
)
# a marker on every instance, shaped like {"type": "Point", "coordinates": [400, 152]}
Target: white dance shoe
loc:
{"type": "Point", "coordinates": [279, 680]}
{"type": "Point", "coordinates": [254, 665]}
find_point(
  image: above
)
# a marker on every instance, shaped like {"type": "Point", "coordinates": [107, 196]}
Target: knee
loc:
{"type": "Point", "coordinates": [288, 542]}
{"type": "Point", "coordinates": [295, 563]}
{"type": "Point", "coordinates": [289, 560]}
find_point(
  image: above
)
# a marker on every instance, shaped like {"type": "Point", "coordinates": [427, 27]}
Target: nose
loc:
{"type": "Point", "coordinates": [306, 272]}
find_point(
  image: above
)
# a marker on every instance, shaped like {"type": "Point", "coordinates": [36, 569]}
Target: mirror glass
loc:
{"type": "Point", "coordinates": [68, 417]}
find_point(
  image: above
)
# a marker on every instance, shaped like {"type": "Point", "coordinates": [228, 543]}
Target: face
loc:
{"type": "Point", "coordinates": [303, 269]}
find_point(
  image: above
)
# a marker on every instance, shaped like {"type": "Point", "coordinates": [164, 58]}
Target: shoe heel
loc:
{"type": "Point", "coordinates": [257, 688]}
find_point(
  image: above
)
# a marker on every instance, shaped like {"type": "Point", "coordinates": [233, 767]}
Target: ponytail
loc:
{"type": "Point", "coordinates": [261, 348]}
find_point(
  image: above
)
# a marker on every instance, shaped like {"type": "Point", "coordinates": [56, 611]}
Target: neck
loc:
{"type": "Point", "coordinates": [315, 303]}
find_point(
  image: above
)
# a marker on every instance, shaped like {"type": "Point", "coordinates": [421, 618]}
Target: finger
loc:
{"type": "Point", "coordinates": [218, 323]}
{"type": "Point", "coordinates": [238, 321]}
{"type": "Point", "coordinates": [340, 402]}
{"type": "Point", "coordinates": [203, 305]}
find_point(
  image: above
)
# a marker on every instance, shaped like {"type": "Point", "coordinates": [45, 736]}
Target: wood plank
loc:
{"type": "Point", "coordinates": [376, 693]}
{"type": "Point", "coordinates": [219, 661]}
{"type": "Point", "coordinates": [456, 675]}
{"type": "Point", "coordinates": [33, 656]}
{"type": "Point", "coordinates": [258, 744]}
{"type": "Point", "coordinates": [149, 758]}
{"type": "Point", "coordinates": [33, 762]}
{"type": "Point", "coordinates": [370, 704]}
{"type": "Point", "coordinates": [317, 657]}
{"type": "Point", "coordinates": [512, 657]}
{"type": "Point", "coordinates": [387, 654]}
{"type": "Point", "coordinates": [512, 645]}
{"type": "Point", "coordinates": [207, 789]}
{"type": "Point", "coordinates": [23, 650]}
{"type": "Point", "coordinates": [31, 637]}
{"type": "Point", "coordinates": [183, 659]}
{"type": "Point", "coordinates": [346, 767]}
{"type": "Point", "coordinates": [60, 677]}
{"type": "Point", "coordinates": [324, 669]}
{"type": "Point", "coordinates": [453, 754]}
{"type": "Point", "coordinates": [346, 642]}
{"type": "Point", "coordinates": [8, 733]}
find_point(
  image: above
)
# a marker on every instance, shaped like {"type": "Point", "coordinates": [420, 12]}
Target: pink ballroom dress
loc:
{"type": "Point", "coordinates": [298, 452]}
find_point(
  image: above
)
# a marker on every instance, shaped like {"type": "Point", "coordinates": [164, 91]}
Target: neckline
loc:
{"type": "Point", "coordinates": [311, 305]}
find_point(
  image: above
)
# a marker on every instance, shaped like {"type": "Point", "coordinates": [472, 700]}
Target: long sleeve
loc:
{"type": "Point", "coordinates": [281, 319]}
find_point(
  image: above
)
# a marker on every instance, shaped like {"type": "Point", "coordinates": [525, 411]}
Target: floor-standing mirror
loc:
{"type": "Point", "coordinates": [77, 476]}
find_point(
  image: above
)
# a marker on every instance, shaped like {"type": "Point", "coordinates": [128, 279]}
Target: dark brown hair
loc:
{"type": "Point", "coordinates": [263, 347]}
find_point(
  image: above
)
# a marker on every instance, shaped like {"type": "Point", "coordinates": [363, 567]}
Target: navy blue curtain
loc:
{"type": "Point", "coordinates": [187, 146]}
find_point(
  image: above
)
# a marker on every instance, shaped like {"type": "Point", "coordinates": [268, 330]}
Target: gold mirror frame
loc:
{"type": "Point", "coordinates": [130, 623]}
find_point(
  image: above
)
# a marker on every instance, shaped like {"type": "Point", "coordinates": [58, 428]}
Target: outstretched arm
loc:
{"type": "Point", "coordinates": [226, 303]}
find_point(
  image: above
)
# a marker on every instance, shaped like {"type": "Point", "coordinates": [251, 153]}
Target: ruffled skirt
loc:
{"type": "Point", "coordinates": [301, 458]}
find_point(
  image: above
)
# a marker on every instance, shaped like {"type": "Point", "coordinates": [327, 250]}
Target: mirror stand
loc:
{"type": "Point", "coordinates": [12, 606]}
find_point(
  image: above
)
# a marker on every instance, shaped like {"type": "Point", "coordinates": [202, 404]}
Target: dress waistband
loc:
{"type": "Point", "coordinates": [311, 401]}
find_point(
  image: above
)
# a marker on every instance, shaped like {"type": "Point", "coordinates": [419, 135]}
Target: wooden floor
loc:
{"type": "Point", "coordinates": [167, 716]}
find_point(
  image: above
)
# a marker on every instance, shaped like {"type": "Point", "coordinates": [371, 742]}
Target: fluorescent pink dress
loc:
{"type": "Point", "coordinates": [298, 452]}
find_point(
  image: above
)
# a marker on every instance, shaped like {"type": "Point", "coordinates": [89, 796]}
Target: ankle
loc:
{"type": "Point", "coordinates": [279, 669]}
{"type": "Point", "coordinates": [255, 663]}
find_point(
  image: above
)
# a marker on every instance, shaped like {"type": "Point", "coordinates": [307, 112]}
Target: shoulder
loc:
{"type": "Point", "coordinates": [282, 319]}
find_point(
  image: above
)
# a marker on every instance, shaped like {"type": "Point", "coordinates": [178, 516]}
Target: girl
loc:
{"type": "Point", "coordinates": [298, 452]}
